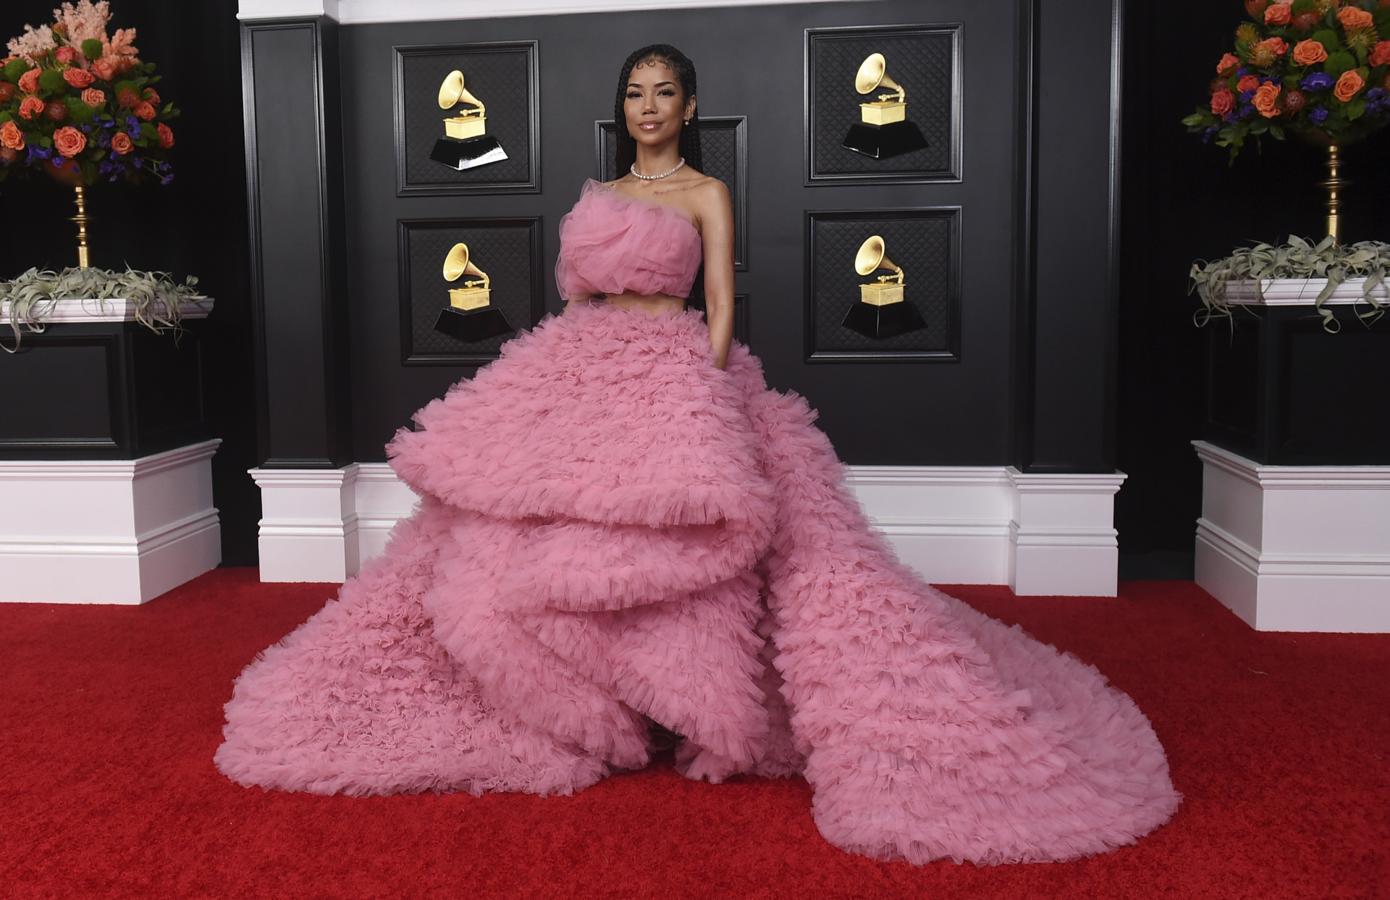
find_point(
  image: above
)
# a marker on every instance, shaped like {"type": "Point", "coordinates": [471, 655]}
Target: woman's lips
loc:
{"type": "Point", "coordinates": [649, 126]}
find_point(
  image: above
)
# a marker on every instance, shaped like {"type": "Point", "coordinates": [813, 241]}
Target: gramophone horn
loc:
{"type": "Point", "coordinates": [451, 89]}
{"type": "Point", "coordinates": [870, 257]}
{"type": "Point", "coordinates": [467, 97]}
{"type": "Point", "coordinates": [456, 263]}
{"type": "Point", "coordinates": [873, 72]}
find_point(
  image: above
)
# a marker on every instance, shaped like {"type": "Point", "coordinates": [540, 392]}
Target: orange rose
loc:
{"type": "Point", "coordinates": [31, 107]}
{"type": "Point", "coordinates": [105, 68]}
{"type": "Point", "coordinates": [166, 135]}
{"type": "Point", "coordinates": [1222, 102]}
{"type": "Point", "coordinates": [1349, 85]}
{"type": "Point", "coordinates": [121, 143]}
{"type": "Point", "coordinates": [1354, 18]}
{"type": "Point", "coordinates": [151, 95]}
{"type": "Point", "coordinates": [1278, 14]}
{"type": "Point", "coordinates": [1381, 54]}
{"type": "Point", "coordinates": [1228, 64]}
{"type": "Point", "coordinates": [69, 141]}
{"type": "Point", "coordinates": [127, 97]}
{"type": "Point", "coordinates": [29, 82]}
{"type": "Point", "coordinates": [78, 78]}
{"type": "Point", "coordinates": [1267, 99]}
{"type": "Point", "coordinates": [1247, 83]}
{"type": "Point", "coordinates": [11, 138]}
{"type": "Point", "coordinates": [144, 111]}
{"type": "Point", "coordinates": [1307, 53]}
{"type": "Point", "coordinates": [1275, 45]}
{"type": "Point", "coordinates": [94, 97]}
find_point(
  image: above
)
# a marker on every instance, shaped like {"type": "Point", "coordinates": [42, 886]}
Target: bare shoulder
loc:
{"type": "Point", "coordinates": [713, 199]}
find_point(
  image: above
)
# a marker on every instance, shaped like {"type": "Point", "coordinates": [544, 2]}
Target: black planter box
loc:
{"type": "Point", "coordinates": [101, 390]}
{"type": "Point", "coordinates": [1282, 391]}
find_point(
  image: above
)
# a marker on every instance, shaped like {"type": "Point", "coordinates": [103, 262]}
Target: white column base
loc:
{"type": "Point", "coordinates": [107, 531]}
{"type": "Point", "coordinates": [1295, 548]}
{"type": "Point", "coordinates": [1039, 534]}
{"type": "Point", "coordinates": [1063, 535]}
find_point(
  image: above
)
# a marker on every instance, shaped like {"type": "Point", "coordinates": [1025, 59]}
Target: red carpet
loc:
{"type": "Point", "coordinates": [1280, 743]}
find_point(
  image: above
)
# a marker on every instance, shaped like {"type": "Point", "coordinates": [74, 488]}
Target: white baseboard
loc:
{"type": "Point", "coordinates": [107, 531]}
{"type": "Point", "coordinates": [1295, 548]}
{"type": "Point", "coordinates": [1039, 534]}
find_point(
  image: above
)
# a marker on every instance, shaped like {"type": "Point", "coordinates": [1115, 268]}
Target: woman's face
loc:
{"type": "Point", "coordinates": [654, 104]}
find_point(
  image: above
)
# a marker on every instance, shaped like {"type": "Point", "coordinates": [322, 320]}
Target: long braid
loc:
{"type": "Point", "coordinates": [625, 146]}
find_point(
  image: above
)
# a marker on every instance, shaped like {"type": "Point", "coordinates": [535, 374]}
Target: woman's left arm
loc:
{"type": "Point", "coordinates": [717, 229]}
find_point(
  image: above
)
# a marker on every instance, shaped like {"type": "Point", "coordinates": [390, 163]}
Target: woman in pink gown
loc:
{"type": "Point", "coordinates": [621, 524]}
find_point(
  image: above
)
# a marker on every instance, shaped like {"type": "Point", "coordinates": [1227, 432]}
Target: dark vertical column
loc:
{"type": "Point", "coordinates": [1067, 319]}
{"type": "Point", "coordinates": [294, 171]}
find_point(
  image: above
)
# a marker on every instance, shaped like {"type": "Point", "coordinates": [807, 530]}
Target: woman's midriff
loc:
{"type": "Point", "coordinates": [651, 304]}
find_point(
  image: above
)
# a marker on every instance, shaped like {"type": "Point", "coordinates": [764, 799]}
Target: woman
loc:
{"type": "Point", "coordinates": [621, 525]}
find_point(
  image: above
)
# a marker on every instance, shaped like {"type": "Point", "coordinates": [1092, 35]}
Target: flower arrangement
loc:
{"type": "Point", "coordinates": [78, 102]}
{"type": "Point", "coordinates": [157, 300]}
{"type": "Point", "coordinates": [1317, 68]}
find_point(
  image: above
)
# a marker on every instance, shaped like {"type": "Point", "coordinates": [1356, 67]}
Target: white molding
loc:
{"type": "Point", "coordinates": [1040, 534]}
{"type": "Point", "coordinates": [1295, 548]}
{"type": "Point", "coordinates": [1300, 292]}
{"type": "Point", "coordinates": [362, 12]}
{"type": "Point", "coordinates": [107, 531]}
{"type": "Point", "coordinates": [104, 309]}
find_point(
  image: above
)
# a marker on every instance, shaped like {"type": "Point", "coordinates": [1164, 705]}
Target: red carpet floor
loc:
{"type": "Point", "coordinates": [109, 717]}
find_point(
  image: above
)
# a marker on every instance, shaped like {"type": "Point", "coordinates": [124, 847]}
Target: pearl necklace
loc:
{"type": "Point", "coordinates": [633, 170]}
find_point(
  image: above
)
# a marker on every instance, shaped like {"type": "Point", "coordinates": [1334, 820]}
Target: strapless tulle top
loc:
{"type": "Point", "coordinates": [611, 243]}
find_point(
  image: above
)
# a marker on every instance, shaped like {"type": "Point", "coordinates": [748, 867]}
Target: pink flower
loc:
{"type": "Point", "coordinates": [1278, 14]}
{"type": "Point", "coordinates": [121, 143]}
{"type": "Point", "coordinates": [31, 107]}
{"type": "Point", "coordinates": [94, 97]}
{"type": "Point", "coordinates": [1221, 102]}
{"type": "Point", "coordinates": [1381, 54]}
{"type": "Point", "coordinates": [1307, 53]}
{"type": "Point", "coordinates": [151, 95]}
{"type": "Point", "coordinates": [11, 138]}
{"type": "Point", "coordinates": [144, 111]}
{"type": "Point", "coordinates": [29, 82]}
{"type": "Point", "coordinates": [166, 135]}
{"type": "Point", "coordinates": [1247, 83]}
{"type": "Point", "coordinates": [69, 141]}
{"type": "Point", "coordinates": [105, 69]}
{"type": "Point", "coordinates": [78, 78]}
{"type": "Point", "coordinates": [65, 55]}
{"type": "Point", "coordinates": [1349, 85]}
{"type": "Point", "coordinates": [1267, 100]}
{"type": "Point", "coordinates": [1354, 18]}
{"type": "Point", "coordinates": [1228, 64]}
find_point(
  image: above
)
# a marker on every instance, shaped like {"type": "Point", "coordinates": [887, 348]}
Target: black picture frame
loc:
{"type": "Point", "coordinates": [825, 161]}
{"type": "Point", "coordinates": [940, 342]}
{"type": "Point", "coordinates": [726, 134]}
{"type": "Point", "coordinates": [420, 305]}
{"type": "Point", "coordinates": [409, 183]}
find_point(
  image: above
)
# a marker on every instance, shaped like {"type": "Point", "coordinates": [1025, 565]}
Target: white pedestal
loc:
{"type": "Point", "coordinates": [1039, 534]}
{"type": "Point", "coordinates": [107, 531]}
{"type": "Point", "coordinates": [1295, 548]}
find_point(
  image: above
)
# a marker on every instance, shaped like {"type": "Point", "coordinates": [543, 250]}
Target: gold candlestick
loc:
{"type": "Point", "coordinates": [1334, 184]}
{"type": "Point", "coordinates": [81, 220]}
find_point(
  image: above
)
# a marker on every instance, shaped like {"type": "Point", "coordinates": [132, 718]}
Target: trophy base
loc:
{"type": "Point", "coordinates": [472, 324]}
{"type": "Point", "coordinates": [881, 322]}
{"type": "Point", "coordinates": [468, 153]}
{"type": "Point", "coordinates": [883, 141]}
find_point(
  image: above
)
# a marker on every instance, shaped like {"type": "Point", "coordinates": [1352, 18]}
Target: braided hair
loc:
{"type": "Point", "coordinates": [625, 146]}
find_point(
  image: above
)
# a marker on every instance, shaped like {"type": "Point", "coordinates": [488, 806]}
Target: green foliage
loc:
{"type": "Point", "coordinates": [1339, 62]}
{"type": "Point", "coordinates": [29, 298]}
{"type": "Point", "coordinates": [15, 68]}
{"type": "Point", "coordinates": [1297, 258]}
{"type": "Point", "coordinates": [1329, 40]}
{"type": "Point", "coordinates": [51, 82]}
{"type": "Point", "coordinates": [78, 112]}
{"type": "Point", "coordinates": [91, 48]}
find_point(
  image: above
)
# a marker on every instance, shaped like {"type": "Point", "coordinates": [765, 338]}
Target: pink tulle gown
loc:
{"type": "Point", "coordinates": [612, 529]}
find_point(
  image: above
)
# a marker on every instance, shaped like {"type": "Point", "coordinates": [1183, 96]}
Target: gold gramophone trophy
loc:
{"type": "Point", "coordinates": [883, 129]}
{"type": "Point", "coordinates": [466, 143]}
{"type": "Point", "coordinates": [881, 311]}
{"type": "Point", "coordinates": [470, 315]}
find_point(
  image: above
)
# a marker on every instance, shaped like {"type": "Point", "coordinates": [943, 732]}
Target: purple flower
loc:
{"type": "Point", "coordinates": [1375, 94]}
{"type": "Point", "coordinates": [1318, 115]}
{"type": "Point", "coordinates": [1317, 81]}
{"type": "Point", "coordinates": [1246, 111]}
{"type": "Point", "coordinates": [37, 152]}
{"type": "Point", "coordinates": [1209, 134]}
{"type": "Point", "coordinates": [1242, 71]}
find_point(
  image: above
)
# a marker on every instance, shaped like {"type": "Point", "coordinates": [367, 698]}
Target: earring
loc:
{"type": "Point", "coordinates": [687, 121]}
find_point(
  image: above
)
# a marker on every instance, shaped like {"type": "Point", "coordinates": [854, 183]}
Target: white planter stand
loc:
{"type": "Point", "coordinates": [1295, 548]}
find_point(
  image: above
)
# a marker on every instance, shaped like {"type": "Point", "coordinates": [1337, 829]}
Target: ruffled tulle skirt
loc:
{"type": "Point", "coordinates": [613, 531]}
